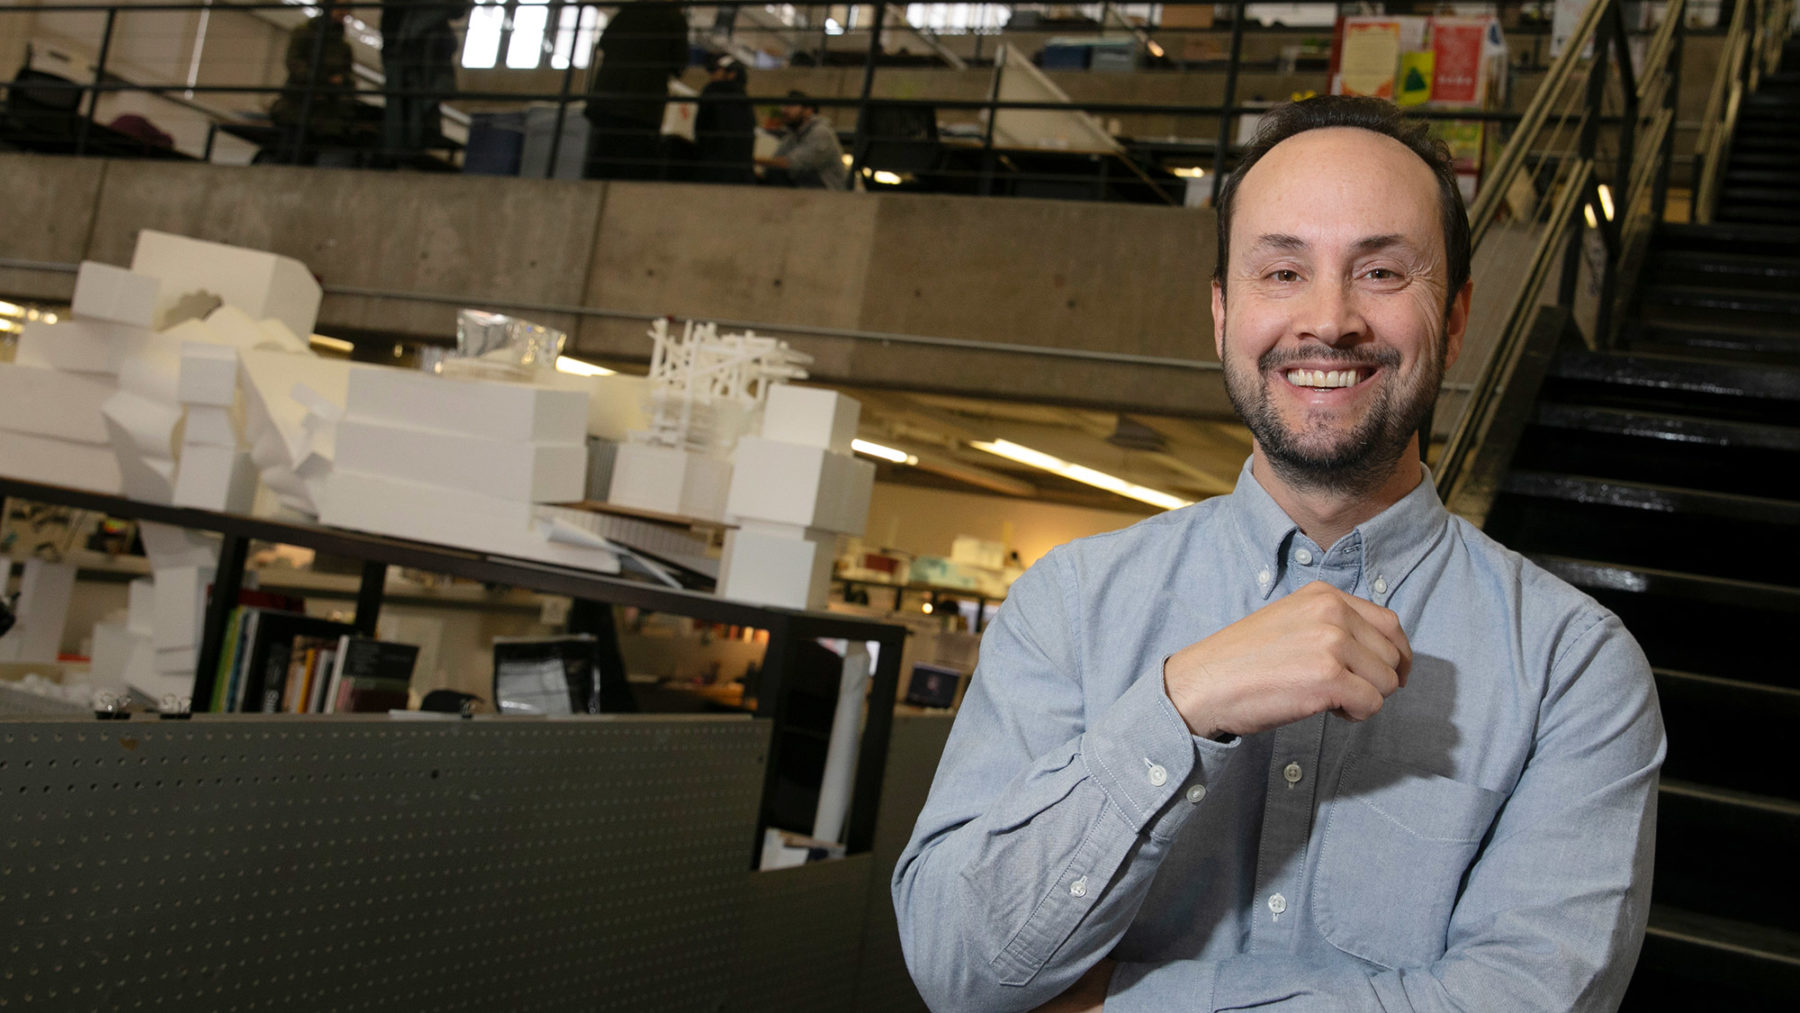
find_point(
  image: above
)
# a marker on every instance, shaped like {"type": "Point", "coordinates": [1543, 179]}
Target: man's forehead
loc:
{"type": "Point", "coordinates": [1358, 184]}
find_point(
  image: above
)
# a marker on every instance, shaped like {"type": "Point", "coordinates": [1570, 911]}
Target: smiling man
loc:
{"type": "Point", "coordinates": [1315, 745]}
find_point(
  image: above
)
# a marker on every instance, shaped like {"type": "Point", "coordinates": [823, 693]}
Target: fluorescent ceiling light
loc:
{"type": "Point", "coordinates": [1587, 211]}
{"type": "Point", "coordinates": [1606, 204]}
{"type": "Point", "coordinates": [10, 327]}
{"type": "Point", "coordinates": [1189, 172]}
{"type": "Point", "coordinates": [11, 309]}
{"type": "Point", "coordinates": [578, 367]}
{"type": "Point", "coordinates": [1080, 473]}
{"type": "Point", "coordinates": [885, 453]}
{"type": "Point", "coordinates": [884, 176]}
{"type": "Point", "coordinates": [1155, 50]}
{"type": "Point", "coordinates": [335, 344]}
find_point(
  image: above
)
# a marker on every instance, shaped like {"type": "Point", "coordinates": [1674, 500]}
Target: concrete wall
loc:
{"type": "Point", "coordinates": [1094, 277]}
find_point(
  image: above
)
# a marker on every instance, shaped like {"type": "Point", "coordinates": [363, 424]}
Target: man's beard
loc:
{"type": "Point", "coordinates": [1318, 456]}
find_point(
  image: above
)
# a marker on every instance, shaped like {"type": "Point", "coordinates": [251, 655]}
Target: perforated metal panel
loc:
{"type": "Point", "coordinates": [802, 939]}
{"type": "Point", "coordinates": [374, 865]}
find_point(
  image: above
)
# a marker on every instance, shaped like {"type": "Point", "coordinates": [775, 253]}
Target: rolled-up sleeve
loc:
{"type": "Point", "coordinates": [1048, 816]}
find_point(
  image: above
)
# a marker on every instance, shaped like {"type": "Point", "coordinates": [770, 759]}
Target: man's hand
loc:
{"type": "Point", "coordinates": [1316, 650]}
{"type": "Point", "coordinates": [1087, 995]}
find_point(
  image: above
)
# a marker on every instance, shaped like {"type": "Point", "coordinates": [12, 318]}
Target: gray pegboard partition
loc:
{"type": "Point", "coordinates": [351, 864]}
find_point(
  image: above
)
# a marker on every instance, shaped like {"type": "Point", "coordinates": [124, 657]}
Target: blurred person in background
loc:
{"type": "Point", "coordinates": [809, 155]}
{"type": "Point", "coordinates": [725, 131]}
{"type": "Point", "coordinates": [418, 59]}
{"type": "Point", "coordinates": [641, 48]}
{"type": "Point", "coordinates": [319, 62]}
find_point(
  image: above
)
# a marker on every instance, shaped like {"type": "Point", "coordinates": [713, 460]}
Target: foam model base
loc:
{"type": "Point", "coordinates": [811, 416]}
{"type": "Point", "coordinates": [87, 346]}
{"type": "Point", "coordinates": [50, 402]}
{"type": "Point", "coordinates": [670, 481]}
{"type": "Point", "coordinates": [508, 469]}
{"type": "Point", "coordinates": [807, 486]}
{"type": "Point", "coordinates": [91, 466]}
{"type": "Point", "coordinates": [105, 292]}
{"type": "Point", "coordinates": [486, 408]}
{"type": "Point", "coordinates": [192, 272]}
{"type": "Point", "coordinates": [457, 518]}
{"type": "Point", "coordinates": [215, 478]}
{"type": "Point", "coordinates": [777, 565]}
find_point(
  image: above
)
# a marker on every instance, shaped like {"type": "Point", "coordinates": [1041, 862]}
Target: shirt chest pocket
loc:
{"type": "Point", "coordinates": [1392, 858]}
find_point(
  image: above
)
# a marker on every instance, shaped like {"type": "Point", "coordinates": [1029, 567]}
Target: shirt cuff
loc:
{"type": "Point", "coordinates": [1155, 771]}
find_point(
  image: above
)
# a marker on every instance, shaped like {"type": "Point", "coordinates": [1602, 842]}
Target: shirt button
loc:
{"type": "Point", "coordinates": [1381, 585]}
{"type": "Point", "coordinates": [1277, 903]}
{"type": "Point", "coordinates": [1078, 888]}
{"type": "Point", "coordinates": [1196, 792]}
{"type": "Point", "coordinates": [1262, 576]}
{"type": "Point", "coordinates": [1158, 776]}
{"type": "Point", "coordinates": [1303, 557]}
{"type": "Point", "coordinates": [1292, 773]}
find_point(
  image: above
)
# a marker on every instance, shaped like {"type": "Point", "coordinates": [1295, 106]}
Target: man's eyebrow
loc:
{"type": "Point", "coordinates": [1278, 241]}
{"type": "Point", "coordinates": [1373, 244]}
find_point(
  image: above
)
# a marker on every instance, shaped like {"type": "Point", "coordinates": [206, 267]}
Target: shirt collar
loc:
{"type": "Point", "coordinates": [1392, 542]}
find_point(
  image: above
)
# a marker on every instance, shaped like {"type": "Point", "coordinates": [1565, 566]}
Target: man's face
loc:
{"type": "Point", "coordinates": [794, 115]}
{"type": "Point", "coordinates": [1331, 326]}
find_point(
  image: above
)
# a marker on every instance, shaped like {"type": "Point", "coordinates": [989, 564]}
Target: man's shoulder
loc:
{"type": "Point", "coordinates": [1159, 537]}
{"type": "Point", "coordinates": [1543, 601]}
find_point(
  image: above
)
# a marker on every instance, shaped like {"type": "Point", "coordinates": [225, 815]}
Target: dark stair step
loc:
{"type": "Point", "coordinates": [1728, 733]}
{"type": "Point", "coordinates": [1732, 238]}
{"type": "Point", "coordinates": [1635, 524]}
{"type": "Point", "coordinates": [1677, 385]}
{"type": "Point", "coordinates": [1709, 269]}
{"type": "Point", "coordinates": [1693, 961]}
{"type": "Point", "coordinates": [1675, 450]}
{"type": "Point", "coordinates": [1727, 853]}
{"type": "Point", "coordinates": [1760, 176]}
{"type": "Point", "coordinates": [1758, 213]}
{"type": "Point", "coordinates": [1718, 300]}
{"type": "Point", "coordinates": [1713, 342]}
{"type": "Point", "coordinates": [1729, 629]}
{"type": "Point", "coordinates": [1765, 196]}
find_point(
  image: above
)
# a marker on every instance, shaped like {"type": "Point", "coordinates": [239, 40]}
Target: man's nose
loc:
{"type": "Point", "coordinates": [1331, 314]}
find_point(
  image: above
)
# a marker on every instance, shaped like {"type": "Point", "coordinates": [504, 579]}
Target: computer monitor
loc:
{"type": "Point", "coordinates": [933, 686]}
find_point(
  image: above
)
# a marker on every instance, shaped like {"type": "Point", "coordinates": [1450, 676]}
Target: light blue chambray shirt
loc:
{"type": "Point", "coordinates": [1484, 842]}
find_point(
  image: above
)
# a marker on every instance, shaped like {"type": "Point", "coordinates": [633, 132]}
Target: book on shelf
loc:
{"type": "Point", "coordinates": [269, 653]}
{"type": "Point", "coordinates": [303, 670]}
{"type": "Point", "coordinates": [227, 678]}
{"type": "Point", "coordinates": [545, 675]}
{"type": "Point", "coordinates": [369, 676]}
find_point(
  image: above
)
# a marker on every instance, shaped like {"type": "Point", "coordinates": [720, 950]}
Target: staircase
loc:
{"type": "Point", "coordinates": [1664, 479]}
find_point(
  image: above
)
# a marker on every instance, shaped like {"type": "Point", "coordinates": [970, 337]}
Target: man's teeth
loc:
{"type": "Point", "coordinates": [1322, 377]}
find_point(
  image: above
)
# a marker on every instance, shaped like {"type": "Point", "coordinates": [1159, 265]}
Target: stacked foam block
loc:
{"type": "Point", "coordinates": [460, 461]}
{"type": "Point", "coordinates": [794, 489]}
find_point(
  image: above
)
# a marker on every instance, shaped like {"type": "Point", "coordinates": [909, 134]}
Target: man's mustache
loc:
{"type": "Point", "coordinates": [1277, 358]}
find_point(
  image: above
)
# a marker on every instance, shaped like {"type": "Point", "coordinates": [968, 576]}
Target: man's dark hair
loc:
{"type": "Point", "coordinates": [803, 100]}
{"type": "Point", "coordinates": [1382, 117]}
{"type": "Point", "coordinates": [731, 65]}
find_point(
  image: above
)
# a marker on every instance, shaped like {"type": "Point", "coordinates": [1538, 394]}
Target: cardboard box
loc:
{"type": "Point", "coordinates": [50, 402]}
{"type": "Point", "coordinates": [788, 483]}
{"type": "Point", "coordinates": [261, 284]}
{"type": "Point", "coordinates": [85, 346]}
{"type": "Point", "coordinates": [53, 461]}
{"type": "Point", "coordinates": [774, 565]}
{"type": "Point", "coordinates": [105, 292]}
{"type": "Point", "coordinates": [508, 469]}
{"type": "Point", "coordinates": [668, 480]}
{"type": "Point", "coordinates": [486, 408]}
{"type": "Point", "coordinates": [215, 478]}
{"type": "Point", "coordinates": [811, 416]}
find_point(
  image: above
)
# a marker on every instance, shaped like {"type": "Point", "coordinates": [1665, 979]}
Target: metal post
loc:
{"type": "Point", "coordinates": [1659, 190]}
{"type": "Point", "coordinates": [562, 111]}
{"type": "Point", "coordinates": [771, 703]}
{"type": "Point", "coordinates": [860, 146]}
{"type": "Point", "coordinates": [871, 760]}
{"type": "Point", "coordinates": [228, 580]}
{"type": "Point", "coordinates": [1227, 107]}
{"type": "Point", "coordinates": [81, 134]}
{"type": "Point", "coordinates": [312, 85]}
{"type": "Point", "coordinates": [368, 596]}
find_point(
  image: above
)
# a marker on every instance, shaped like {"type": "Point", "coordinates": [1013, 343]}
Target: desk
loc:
{"type": "Point", "coordinates": [787, 628]}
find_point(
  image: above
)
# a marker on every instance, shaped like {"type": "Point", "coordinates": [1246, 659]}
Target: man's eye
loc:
{"type": "Point", "coordinates": [1383, 274]}
{"type": "Point", "coordinates": [1284, 275]}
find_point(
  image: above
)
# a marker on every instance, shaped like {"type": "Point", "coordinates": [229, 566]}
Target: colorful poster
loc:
{"type": "Point", "coordinates": [1459, 72]}
{"type": "Point", "coordinates": [1415, 78]}
{"type": "Point", "coordinates": [1368, 57]}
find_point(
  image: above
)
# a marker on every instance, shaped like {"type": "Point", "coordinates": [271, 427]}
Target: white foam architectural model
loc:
{"type": "Point", "coordinates": [462, 461]}
{"type": "Point", "coordinates": [794, 489]}
{"type": "Point", "coordinates": [139, 393]}
{"type": "Point", "coordinates": [706, 389]}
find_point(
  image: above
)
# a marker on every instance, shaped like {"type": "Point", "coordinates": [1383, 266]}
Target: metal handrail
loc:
{"type": "Point", "coordinates": [1641, 170]}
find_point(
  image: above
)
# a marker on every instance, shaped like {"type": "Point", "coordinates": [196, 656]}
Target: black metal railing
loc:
{"type": "Point", "coordinates": [326, 104]}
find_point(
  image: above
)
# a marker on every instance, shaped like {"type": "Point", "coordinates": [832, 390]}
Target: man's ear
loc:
{"type": "Point", "coordinates": [1456, 322]}
{"type": "Point", "coordinates": [1218, 314]}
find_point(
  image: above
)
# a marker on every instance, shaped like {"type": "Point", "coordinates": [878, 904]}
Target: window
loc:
{"type": "Point", "coordinates": [521, 29]}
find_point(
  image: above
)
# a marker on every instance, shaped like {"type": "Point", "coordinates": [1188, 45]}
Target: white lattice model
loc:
{"type": "Point", "coordinates": [705, 385]}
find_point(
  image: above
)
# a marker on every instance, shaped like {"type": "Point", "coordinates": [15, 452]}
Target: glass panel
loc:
{"type": "Point", "coordinates": [527, 48]}
{"type": "Point", "coordinates": [481, 42]}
